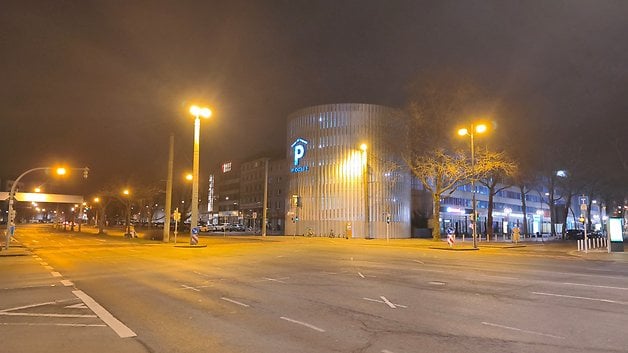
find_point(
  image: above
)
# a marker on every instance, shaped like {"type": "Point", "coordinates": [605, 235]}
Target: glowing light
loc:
{"type": "Point", "coordinates": [61, 171]}
{"type": "Point", "coordinates": [352, 165]}
{"type": "Point", "coordinates": [189, 177]}
{"type": "Point", "coordinates": [200, 111]}
{"type": "Point", "coordinates": [463, 132]}
{"type": "Point", "coordinates": [37, 190]}
{"type": "Point", "coordinates": [480, 128]}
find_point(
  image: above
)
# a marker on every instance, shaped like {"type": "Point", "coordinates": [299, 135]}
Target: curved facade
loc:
{"type": "Point", "coordinates": [335, 186]}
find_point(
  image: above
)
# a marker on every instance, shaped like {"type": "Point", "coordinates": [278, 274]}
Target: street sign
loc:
{"type": "Point", "coordinates": [254, 215]}
{"type": "Point", "coordinates": [176, 216]}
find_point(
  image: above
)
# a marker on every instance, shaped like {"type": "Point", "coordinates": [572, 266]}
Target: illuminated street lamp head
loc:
{"type": "Point", "coordinates": [97, 199]}
{"type": "Point", "coordinates": [200, 111]}
{"type": "Point", "coordinates": [463, 132]}
{"type": "Point", "coordinates": [363, 147]}
{"type": "Point", "coordinates": [126, 192]}
{"type": "Point", "coordinates": [61, 171]}
{"type": "Point", "coordinates": [189, 177]}
{"type": "Point", "coordinates": [480, 128]}
{"type": "Point", "coordinates": [37, 189]}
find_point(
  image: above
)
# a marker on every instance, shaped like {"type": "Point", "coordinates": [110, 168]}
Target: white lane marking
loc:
{"type": "Point", "coordinates": [36, 305]}
{"type": "Point", "coordinates": [189, 287]}
{"type": "Point", "coordinates": [118, 327]}
{"type": "Point", "coordinates": [49, 324]}
{"type": "Point", "coordinates": [361, 275]}
{"type": "Point", "coordinates": [437, 283]}
{"type": "Point", "coordinates": [418, 261]}
{"type": "Point", "coordinates": [77, 306]}
{"type": "Point", "coordinates": [43, 263]}
{"type": "Point", "coordinates": [35, 241]}
{"type": "Point", "coordinates": [382, 302]}
{"type": "Point", "coordinates": [103, 240]}
{"type": "Point", "coordinates": [391, 305]}
{"type": "Point", "coordinates": [44, 315]}
{"type": "Point", "coordinates": [235, 302]}
{"type": "Point", "coordinates": [521, 330]}
{"type": "Point", "coordinates": [276, 279]}
{"type": "Point", "coordinates": [49, 268]}
{"type": "Point", "coordinates": [583, 298]}
{"type": "Point", "coordinates": [595, 286]}
{"type": "Point", "coordinates": [303, 324]}
{"type": "Point", "coordinates": [56, 274]}
{"type": "Point", "coordinates": [386, 351]}
{"type": "Point", "coordinates": [67, 283]}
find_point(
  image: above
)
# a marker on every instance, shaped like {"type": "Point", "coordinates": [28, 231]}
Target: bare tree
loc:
{"type": "Point", "coordinates": [499, 169]}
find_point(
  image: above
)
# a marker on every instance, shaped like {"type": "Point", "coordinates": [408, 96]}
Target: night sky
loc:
{"type": "Point", "coordinates": [104, 83]}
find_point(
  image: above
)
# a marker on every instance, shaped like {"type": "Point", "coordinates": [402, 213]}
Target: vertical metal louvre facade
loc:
{"type": "Point", "coordinates": [330, 183]}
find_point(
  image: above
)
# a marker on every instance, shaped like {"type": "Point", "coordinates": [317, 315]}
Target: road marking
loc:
{"type": "Point", "coordinates": [77, 306]}
{"type": "Point", "coordinates": [583, 298]}
{"type": "Point", "coordinates": [386, 351]}
{"type": "Point", "coordinates": [118, 327]}
{"type": "Point", "coordinates": [303, 324]}
{"type": "Point", "coordinates": [276, 280]}
{"type": "Point", "coordinates": [44, 315]}
{"type": "Point", "coordinates": [521, 330]}
{"type": "Point", "coordinates": [391, 305]}
{"type": "Point", "coordinates": [43, 263]}
{"type": "Point", "coordinates": [49, 324]}
{"type": "Point", "coordinates": [190, 287]}
{"type": "Point", "coordinates": [235, 302]}
{"type": "Point", "coordinates": [67, 283]}
{"type": "Point", "coordinates": [56, 274]}
{"type": "Point", "coordinates": [383, 302]}
{"type": "Point", "coordinates": [418, 261]}
{"type": "Point", "coordinates": [361, 275]}
{"type": "Point", "coordinates": [49, 267]}
{"type": "Point", "coordinates": [36, 305]}
{"type": "Point", "coordinates": [436, 283]}
{"type": "Point", "coordinates": [591, 285]}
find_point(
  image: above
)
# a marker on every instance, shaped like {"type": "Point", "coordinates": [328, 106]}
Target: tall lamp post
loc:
{"type": "Point", "coordinates": [479, 128]}
{"type": "Point", "coordinates": [127, 205]}
{"type": "Point", "coordinates": [365, 178]}
{"type": "Point", "coordinates": [198, 112]}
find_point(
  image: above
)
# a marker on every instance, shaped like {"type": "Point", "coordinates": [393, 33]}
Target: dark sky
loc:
{"type": "Point", "coordinates": [103, 83]}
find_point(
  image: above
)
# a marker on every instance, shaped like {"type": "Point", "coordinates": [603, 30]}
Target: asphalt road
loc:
{"type": "Point", "coordinates": [86, 293]}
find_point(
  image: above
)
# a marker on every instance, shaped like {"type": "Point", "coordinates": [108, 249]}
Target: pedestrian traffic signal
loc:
{"type": "Point", "coordinates": [85, 172]}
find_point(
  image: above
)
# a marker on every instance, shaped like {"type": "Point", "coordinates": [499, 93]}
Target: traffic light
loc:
{"type": "Point", "coordinates": [85, 172]}
{"type": "Point", "coordinates": [12, 217]}
{"type": "Point", "coordinates": [388, 219]}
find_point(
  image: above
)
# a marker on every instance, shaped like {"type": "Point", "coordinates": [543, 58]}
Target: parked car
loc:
{"type": "Point", "coordinates": [574, 234]}
{"type": "Point", "coordinates": [235, 227]}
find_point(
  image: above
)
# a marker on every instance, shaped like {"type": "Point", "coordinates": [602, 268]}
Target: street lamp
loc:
{"type": "Point", "coordinates": [127, 193]}
{"type": "Point", "coordinates": [11, 212]}
{"type": "Point", "coordinates": [197, 112]}
{"type": "Point", "coordinates": [479, 128]}
{"type": "Point", "coordinates": [365, 180]}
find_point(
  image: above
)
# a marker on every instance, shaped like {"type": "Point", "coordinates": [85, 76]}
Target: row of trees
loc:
{"type": "Point", "coordinates": [545, 157]}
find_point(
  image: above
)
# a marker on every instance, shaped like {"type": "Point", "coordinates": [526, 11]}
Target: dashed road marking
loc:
{"type": "Point", "coordinates": [521, 330]}
{"type": "Point", "coordinates": [56, 274]}
{"type": "Point", "coordinates": [391, 305]}
{"type": "Point", "coordinates": [303, 324]}
{"type": "Point", "coordinates": [595, 286]}
{"type": "Point", "coordinates": [582, 298]}
{"type": "Point", "coordinates": [419, 261]}
{"type": "Point", "coordinates": [67, 283]}
{"type": "Point", "coordinates": [384, 302]}
{"type": "Point", "coordinates": [361, 275]}
{"type": "Point", "coordinates": [235, 302]}
{"type": "Point", "coordinates": [49, 267]}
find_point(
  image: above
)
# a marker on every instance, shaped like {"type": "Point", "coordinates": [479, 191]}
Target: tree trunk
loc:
{"type": "Point", "coordinates": [524, 210]}
{"type": "Point", "coordinates": [489, 216]}
{"type": "Point", "coordinates": [436, 217]}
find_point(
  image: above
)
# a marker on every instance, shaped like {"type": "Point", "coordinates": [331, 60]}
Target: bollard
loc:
{"type": "Point", "coordinates": [579, 245]}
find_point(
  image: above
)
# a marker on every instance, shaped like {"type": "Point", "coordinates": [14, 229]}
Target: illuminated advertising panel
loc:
{"type": "Point", "coordinates": [226, 167]}
{"type": "Point", "coordinates": [615, 229]}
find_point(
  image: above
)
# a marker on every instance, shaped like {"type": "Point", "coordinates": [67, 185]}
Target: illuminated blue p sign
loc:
{"type": "Point", "coordinates": [298, 152]}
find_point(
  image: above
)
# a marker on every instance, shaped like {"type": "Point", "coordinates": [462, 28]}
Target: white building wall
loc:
{"type": "Point", "coordinates": [332, 189]}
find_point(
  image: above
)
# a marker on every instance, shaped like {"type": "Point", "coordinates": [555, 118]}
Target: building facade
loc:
{"type": "Point", "coordinates": [344, 179]}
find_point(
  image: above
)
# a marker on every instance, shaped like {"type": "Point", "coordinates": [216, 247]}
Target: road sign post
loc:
{"type": "Point", "coordinates": [177, 217]}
